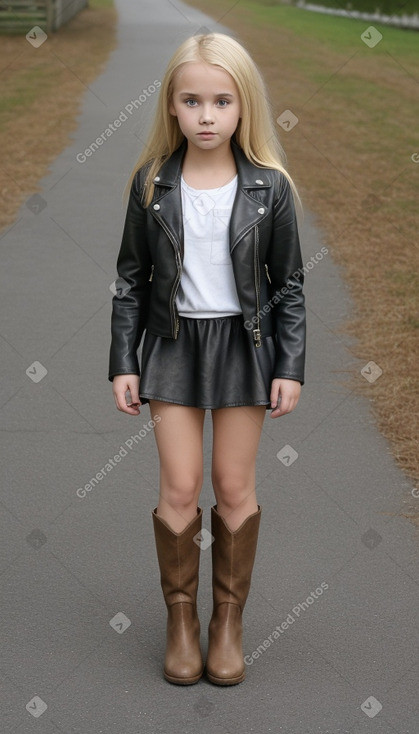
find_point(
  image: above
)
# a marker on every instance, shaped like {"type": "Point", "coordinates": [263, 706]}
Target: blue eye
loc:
{"type": "Point", "coordinates": [193, 102]}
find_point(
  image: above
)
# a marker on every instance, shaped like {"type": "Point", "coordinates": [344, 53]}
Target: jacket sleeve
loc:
{"type": "Point", "coordinates": [287, 276]}
{"type": "Point", "coordinates": [130, 304]}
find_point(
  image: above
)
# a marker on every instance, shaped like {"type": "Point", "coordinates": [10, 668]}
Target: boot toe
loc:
{"type": "Point", "coordinates": [183, 676]}
{"type": "Point", "coordinates": [225, 676]}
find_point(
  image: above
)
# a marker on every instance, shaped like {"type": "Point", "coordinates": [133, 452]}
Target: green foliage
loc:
{"type": "Point", "coordinates": [385, 7]}
{"type": "Point", "coordinates": [337, 32]}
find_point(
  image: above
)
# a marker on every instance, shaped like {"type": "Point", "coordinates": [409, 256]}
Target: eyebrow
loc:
{"type": "Point", "coordinates": [194, 94]}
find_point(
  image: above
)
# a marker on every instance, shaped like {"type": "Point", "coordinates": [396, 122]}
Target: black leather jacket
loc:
{"type": "Point", "coordinates": [265, 253]}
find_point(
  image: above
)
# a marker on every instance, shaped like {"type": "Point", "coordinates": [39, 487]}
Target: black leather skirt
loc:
{"type": "Point", "coordinates": [212, 364]}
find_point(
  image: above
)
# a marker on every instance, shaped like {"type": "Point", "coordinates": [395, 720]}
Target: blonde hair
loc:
{"type": "Point", "coordinates": [255, 132]}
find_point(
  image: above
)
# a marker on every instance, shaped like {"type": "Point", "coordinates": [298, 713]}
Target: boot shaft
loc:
{"type": "Point", "coordinates": [178, 557]}
{"type": "Point", "coordinates": [233, 556]}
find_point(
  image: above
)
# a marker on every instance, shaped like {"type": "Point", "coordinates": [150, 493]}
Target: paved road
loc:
{"type": "Point", "coordinates": [336, 574]}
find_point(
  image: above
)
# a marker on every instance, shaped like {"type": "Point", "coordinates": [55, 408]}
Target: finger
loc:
{"type": "Point", "coordinates": [134, 392]}
{"type": "Point", "coordinates": [134, 410]}
{"type": "Point", "coordinates": [274, 397]}
{"type": "Point", "coordinates": [121, 403]}
{"type": "Point", "coordinates": [285, 406]}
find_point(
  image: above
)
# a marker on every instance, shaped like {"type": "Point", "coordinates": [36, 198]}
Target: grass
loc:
{"type": "Point", "coordinates": [21, 89]}
{"type": "Point", "coordinates": [386, 7]}
{"type": "Point", "coordinates": [350, 155]}
{"type": "Point", "coordinates": [41, 91]}
{"type": "Point", "coordinates": [338, 33]}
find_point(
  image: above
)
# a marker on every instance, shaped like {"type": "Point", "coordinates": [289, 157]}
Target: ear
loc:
{"type": "Point", "coordinates": [172, 109]}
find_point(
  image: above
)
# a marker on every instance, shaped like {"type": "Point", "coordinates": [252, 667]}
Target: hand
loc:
{"type": "Point", "coordinates": [120, 385]}
{"type": "Point", "coordinates": [284, 396]}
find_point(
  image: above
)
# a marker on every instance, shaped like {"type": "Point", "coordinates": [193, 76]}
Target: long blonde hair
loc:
{"type": "Point", "coordinates": [255, 133]}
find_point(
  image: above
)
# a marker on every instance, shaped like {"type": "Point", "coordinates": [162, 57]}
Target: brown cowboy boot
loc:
{"type": "Point", "coordinates": [178, 557]}
{"type": "Point", "coordinates": [233, 555]}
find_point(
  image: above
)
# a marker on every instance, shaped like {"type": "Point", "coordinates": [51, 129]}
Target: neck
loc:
{"type": "Point", "coordinates": [208, 160]}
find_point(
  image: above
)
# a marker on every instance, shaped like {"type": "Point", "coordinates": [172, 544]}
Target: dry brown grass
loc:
{"type": "Point", "coordinates": [41, 92]}
{"type": "Point", "coordinates": [350, 155]}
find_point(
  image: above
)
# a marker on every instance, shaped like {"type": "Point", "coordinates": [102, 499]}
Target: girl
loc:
{"type": "Point", "coordinates": [210, 269]}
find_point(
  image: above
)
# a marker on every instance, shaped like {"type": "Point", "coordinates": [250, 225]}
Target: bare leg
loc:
{"type": "Point", "coordinates": [179, 438]}
{"type": "Point", "coordinates": [236, 435]}
{"type": "Point", "coordinates": [176, 523]}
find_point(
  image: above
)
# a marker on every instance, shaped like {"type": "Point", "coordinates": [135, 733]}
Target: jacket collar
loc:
{"type": "Point", "coordinates": [248, 173]}
{"type": "Point", "coordinates": [166, 206]}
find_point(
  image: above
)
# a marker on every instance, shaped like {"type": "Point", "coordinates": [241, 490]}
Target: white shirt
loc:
{"type": "Point", "coordinates": [207, 287]}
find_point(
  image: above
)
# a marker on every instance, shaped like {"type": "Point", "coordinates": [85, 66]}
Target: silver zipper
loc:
{"type": "Point", "coordinates": [175, 319]}
{"type": "Point", "coordinates": [267, 274]}
{"type": "Point", "coordinates": [256, 332]}
{"type": "Point", "coordinates": [151, 274]}
{"type": "Point", "coordinates": [246, 231]}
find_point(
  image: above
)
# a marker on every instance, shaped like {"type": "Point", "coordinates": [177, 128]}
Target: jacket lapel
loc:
{"type": "Point", "coordinates": [166, 206]}
{"type": "Point", "coordinates": [247, 211]}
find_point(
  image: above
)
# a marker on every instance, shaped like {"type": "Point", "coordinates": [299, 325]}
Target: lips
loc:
{"type": "Point", "coordinates": [206, 134]}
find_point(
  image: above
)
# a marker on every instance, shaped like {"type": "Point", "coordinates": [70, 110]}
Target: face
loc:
{"type": "Point", "coordinates": [206, 102]}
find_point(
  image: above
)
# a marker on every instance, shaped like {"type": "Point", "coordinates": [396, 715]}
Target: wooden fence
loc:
{"type": "Point", "coordinates": [19, 16]}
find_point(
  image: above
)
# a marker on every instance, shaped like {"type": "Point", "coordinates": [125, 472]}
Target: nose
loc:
{"type": "Point", "coordinates": [206, 117]}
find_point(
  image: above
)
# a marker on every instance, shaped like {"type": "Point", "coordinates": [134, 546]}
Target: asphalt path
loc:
{"type": "Point", "coordinates": [331, 621]}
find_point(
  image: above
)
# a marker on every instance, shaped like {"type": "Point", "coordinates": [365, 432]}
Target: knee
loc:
{"type": "Point", "coordinates": [230, 488]}
{"type": "Point", "coordinates": [181, 495]}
